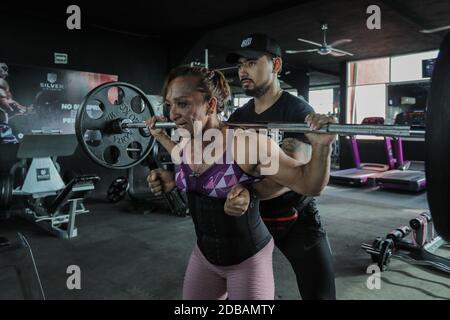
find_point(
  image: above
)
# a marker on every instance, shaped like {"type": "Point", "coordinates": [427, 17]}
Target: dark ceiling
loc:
{"type": "Point", "coordinates": [150, 18]}
{"type": "Point", "coordinates": [220, 25]}
{"type": "Point", "coordinates": [401, 22]}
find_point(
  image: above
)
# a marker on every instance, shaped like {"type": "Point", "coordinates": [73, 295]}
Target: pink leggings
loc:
{"type": "Point", "coordinates": [251, 279]}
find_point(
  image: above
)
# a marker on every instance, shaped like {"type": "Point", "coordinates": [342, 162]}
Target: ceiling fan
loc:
{"type": "Point", "coordinates": [324, 48]}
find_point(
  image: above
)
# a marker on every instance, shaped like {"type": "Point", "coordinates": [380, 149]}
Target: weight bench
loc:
{"type": "Point", "coordinates": [51, 204]}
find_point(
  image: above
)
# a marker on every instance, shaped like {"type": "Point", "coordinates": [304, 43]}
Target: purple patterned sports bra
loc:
{"type": "Point", "coordinates": [217, 180]}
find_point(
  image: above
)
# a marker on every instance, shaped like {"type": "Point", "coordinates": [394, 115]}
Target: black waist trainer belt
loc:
{"type": "Point", "coordinates": [226, 240]}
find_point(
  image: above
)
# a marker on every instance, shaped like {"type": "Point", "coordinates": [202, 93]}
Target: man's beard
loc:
{"type": "Point", "coordinates": [257, 91]}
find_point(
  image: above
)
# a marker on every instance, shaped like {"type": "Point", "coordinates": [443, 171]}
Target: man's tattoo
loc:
{"type": "Point", "coordinates": [292, 145]}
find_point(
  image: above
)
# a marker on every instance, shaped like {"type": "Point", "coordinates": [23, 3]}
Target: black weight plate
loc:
{"type": "Point", "coordinates": [94, 132]}
{"type": "Point", "coordinates": [438, 142]}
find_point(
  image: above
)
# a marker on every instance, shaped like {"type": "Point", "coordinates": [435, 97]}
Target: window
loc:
{"type": "Point", "coordinates": [409, 67]}
{"type": "Point", "coordinates": [366, 101]}
{"type": "Point", "coordinates": [366, 90]}
{"type": "Point", "coordinates": [371, 71]}
{"type": "Point", "coordinates": [368, 82]}
{"type": "Point", "coordinates": [321, 100]}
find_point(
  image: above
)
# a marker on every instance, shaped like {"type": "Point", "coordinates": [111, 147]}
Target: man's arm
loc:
{"type": "Point", "coordinates": [268, 189]}
{"type": "Point", "coordinates": [297, 149]}
{"type": "Point", "coordinates": [309, 179]}
{"type": "Point", "coordinates": [294, 148]}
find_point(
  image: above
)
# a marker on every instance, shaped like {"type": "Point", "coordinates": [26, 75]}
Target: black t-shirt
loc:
{"type": "Point", "coordinates": [288, 108]}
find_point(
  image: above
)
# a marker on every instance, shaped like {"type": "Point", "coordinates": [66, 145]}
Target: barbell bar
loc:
{"type": "Point", "coordinates": [340, 129]}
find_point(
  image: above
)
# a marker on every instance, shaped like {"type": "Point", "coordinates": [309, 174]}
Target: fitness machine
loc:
{"type": "Point", "coordinates": [49, 203]}
{"type": "Point", "coordinates": [361, 174]}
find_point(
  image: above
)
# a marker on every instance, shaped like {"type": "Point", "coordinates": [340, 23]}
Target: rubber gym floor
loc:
{"type": "Point", "coordinates": [126, 251]}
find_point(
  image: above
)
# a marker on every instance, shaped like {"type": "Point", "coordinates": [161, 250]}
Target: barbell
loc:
{"type": "Point", "coordinates": [110, 127]}
{"type": "Point", "coordinates": [114, 134]}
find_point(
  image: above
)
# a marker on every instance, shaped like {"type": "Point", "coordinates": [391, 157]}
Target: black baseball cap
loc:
{"type": "Point", "coordinates": [254, 46]}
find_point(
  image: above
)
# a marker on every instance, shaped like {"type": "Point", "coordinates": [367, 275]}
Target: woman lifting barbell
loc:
{"type": "Point", "coordinates": [233, 255]}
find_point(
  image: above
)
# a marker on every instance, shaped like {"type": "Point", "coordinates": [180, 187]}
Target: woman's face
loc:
{"type": "Point", "coordinates": [186, 104]}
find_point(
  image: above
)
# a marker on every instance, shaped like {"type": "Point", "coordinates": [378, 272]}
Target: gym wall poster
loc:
{"type": "Point", "coordinates": [35, 98]}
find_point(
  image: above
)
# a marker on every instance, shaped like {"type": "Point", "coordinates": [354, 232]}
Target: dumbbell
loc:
{"type": "Point", "coordinates": [380, 252]}
{"type": "Point", "coordinates": [423, 228]}
{"type": "Point", "coordinates": [399, 233]}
